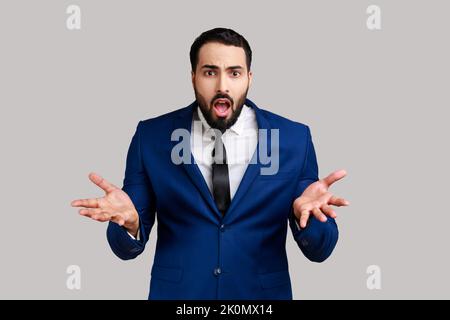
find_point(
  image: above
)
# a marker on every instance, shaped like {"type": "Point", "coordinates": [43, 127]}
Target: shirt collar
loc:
{"type": "Point", "coordinates": [237, 127]}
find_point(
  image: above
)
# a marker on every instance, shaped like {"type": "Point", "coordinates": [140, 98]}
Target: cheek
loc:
{"type": "Point", "coordinates": [206, 88]}
{"type": "Point", "coordinates": [239, 88]}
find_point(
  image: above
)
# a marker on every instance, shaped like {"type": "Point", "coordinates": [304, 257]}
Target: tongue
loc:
{"type": "Point", "coordinates": [222, 107]}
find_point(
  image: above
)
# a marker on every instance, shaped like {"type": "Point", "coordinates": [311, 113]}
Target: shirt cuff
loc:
{"type": "Point", "coordinates": [296, 223]}
{"type": "Point", "coordinates": [138, 236]}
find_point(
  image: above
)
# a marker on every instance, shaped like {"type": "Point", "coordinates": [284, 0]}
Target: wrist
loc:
{"type": "Point", "coordinates": [133, 225]}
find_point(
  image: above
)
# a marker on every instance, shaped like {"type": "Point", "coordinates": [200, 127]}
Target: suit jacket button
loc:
{"type": "Point", "coordinates": [217, 271]}
{"type": "Point", "coordinates": [222, 227]}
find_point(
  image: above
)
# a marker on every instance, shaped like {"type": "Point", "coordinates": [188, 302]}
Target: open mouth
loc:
{"type": "Point", "coordinates": [222, 107]}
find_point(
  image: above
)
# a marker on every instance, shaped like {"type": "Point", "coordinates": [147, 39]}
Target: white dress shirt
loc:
{"type": "Point", "coordinates": [240, 142]}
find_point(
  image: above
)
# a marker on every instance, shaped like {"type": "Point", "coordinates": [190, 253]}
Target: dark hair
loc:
{"type": "Point", "coordinates": [221, 35]}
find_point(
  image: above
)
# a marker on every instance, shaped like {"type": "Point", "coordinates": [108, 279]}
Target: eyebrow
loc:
{"type": "Point", "coordinates": [211, 66]}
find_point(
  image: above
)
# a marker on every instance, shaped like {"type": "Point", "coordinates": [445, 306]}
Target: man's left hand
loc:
{"type": "Point", "coordinates": [317, 200]}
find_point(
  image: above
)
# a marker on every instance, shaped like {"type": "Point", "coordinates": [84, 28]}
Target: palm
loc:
{"type": "Point", "coordinates": [115, 206]}
{"type": "Point", "coordinates": [317, 191]}
{"type": "Point", "coordinates": [115, 201]}
{"type": "Point", "coordinates": [317, 200]}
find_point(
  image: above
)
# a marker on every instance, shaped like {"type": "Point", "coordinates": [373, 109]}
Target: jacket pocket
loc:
{"type": "Point", "coordinates": [274, 279]}
{"type": "Point", "coordinates": [167, 273]}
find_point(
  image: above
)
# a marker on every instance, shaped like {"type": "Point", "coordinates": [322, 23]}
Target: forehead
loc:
{"type": "Point", "coordinates": [221, 55]}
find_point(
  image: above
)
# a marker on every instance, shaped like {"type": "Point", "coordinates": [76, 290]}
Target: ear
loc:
{"type": "Point", "coordinates": [192, 77]}
{"type": "Point", "coordinates": [250, 78]}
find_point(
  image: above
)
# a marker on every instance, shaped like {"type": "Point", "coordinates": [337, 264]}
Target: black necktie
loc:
{"type": "Point", "coordinates": [220, 179]}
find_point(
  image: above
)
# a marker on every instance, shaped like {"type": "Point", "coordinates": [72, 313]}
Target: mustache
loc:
{"type": "Point", "coordinates": [222, 96]}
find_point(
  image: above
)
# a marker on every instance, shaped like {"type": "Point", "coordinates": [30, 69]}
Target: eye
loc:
{"type": "Point", "coordinates": [210, 73]}
{"type": "Point", "coordinates": [236, 73]}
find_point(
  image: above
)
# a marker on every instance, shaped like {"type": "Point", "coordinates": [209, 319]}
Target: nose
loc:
{"type": "Point", "coordinates": [222, 86]}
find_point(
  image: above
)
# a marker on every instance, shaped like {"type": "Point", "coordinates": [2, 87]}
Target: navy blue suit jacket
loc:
{"type": "Point", "coordinates": [200, 254]}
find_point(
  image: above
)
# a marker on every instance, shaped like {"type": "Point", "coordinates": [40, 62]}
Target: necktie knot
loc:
{"type": "Point", "coordinates": [219, 152]}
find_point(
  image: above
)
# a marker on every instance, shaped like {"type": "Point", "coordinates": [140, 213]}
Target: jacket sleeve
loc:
{"type": "Point", "coordinates": [138, 187]}
{"type": "Point", "coordinates": [318, 239]}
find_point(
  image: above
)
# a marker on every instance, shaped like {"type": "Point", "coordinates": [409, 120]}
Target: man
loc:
{"type": "Point", "coordinates": [222, 219]}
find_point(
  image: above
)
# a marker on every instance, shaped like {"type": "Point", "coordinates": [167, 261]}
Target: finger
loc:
{"type": "Point", "coordinates": [96, 214]}
{"type": "Point", "coordinates": [319, 215]}
{"type": "Point", "coordinates": [88, 203]}
{"type": "Point", "coordinates": [102, 217]}
{"type": "Point", "coordinates": [304, 218]}
{"type": "Point", "coordinates": [102, 183]}
{"type": "Point", "coordinates": [90, 212]}
{"type": "Point", "coordinates": [336, 201]}
{"type": "Point", "coordinates": [335, 176]}
{"type": "Point", "coordinates": [328, 211]}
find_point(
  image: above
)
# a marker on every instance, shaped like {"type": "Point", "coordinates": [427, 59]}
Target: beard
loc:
{"type": "Point", "coordinates": [221, 124]}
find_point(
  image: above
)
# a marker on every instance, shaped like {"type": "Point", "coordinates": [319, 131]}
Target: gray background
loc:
{"type": "Point", "coordinates": [376, 101]}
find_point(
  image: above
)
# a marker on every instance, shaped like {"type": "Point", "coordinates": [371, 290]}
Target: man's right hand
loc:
{"type": "Point", "coordinates": [115, 206]}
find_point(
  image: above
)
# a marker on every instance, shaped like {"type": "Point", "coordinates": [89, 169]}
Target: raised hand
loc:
{"type": "Point", "coordinates": [316, 200]}
{"type": "Point", "coordinates": [115, 206]}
